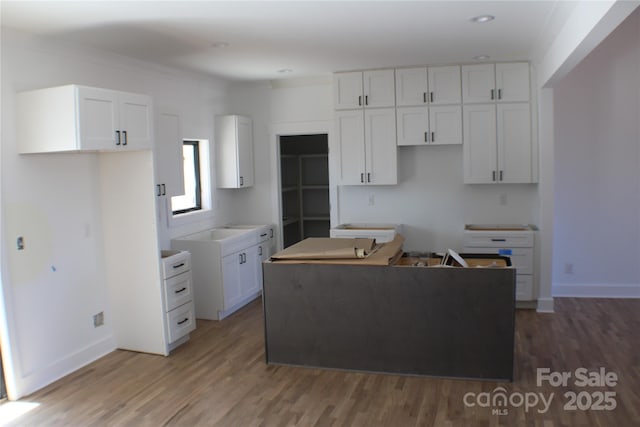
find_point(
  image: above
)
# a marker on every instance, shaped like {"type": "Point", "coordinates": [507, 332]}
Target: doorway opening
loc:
{"type": "Point", "coordinates": [304, 187]}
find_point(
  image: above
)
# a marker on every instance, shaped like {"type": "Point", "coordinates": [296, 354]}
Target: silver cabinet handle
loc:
{"type": "Point", "coordinates": [118, 136]}
{"type": "Point", "coordinates": [124, 135]}
{"type": "Point", "coordinates": [241, 181]}
{"type": "Point", "coordinates": [159, 190]}
{"type": "Point", "coordinates": [260, 250]}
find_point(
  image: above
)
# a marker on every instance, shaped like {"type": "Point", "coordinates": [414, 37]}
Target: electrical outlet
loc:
{"type": "Point", "coordinates": [568, 268]}
{"type": "Point", "coordinates": [98, 319]}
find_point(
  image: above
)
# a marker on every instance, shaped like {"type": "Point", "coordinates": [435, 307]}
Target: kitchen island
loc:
{"type": "Point", "coordinates": [434, 321]}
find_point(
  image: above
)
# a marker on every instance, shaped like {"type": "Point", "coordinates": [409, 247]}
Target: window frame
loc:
{"type": "Point", "coordinates": [198, 178]}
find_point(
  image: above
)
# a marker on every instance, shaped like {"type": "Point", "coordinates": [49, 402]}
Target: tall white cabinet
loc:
{"type": "Point", "coordinates": [119, 126]}
{"type": "Point", "coordinates": [498, 139]}
{"type": "Point", "coordinates": [365, 123]}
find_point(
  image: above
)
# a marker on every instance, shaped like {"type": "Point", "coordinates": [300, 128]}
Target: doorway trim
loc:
{"type": "Point", "coordinates": [291, 129]}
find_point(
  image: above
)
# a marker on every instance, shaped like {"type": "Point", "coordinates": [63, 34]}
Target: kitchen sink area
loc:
{"type": "Point", "coordinates": [226, 266]}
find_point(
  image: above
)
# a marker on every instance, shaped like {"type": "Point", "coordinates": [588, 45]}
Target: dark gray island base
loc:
{"type": "Point", "coordinates": [445, 322]}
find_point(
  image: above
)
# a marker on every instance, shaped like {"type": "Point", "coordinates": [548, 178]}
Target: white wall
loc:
{"type": "Point", "coordinates": [597, 170]}
{"type": "Point", "coordinates": [53, 287]}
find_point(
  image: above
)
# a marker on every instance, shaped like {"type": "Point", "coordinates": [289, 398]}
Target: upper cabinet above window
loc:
{"type": "Point", "coordinates": [79, 118]}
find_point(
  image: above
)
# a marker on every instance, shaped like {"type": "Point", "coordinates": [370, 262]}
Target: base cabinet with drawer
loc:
{"type": "Point", "coordinates": [227, 273]}
{"type": "Point", "coordinates": [517, 242]}
{"type": "Point", "coordinates": [180, 316]}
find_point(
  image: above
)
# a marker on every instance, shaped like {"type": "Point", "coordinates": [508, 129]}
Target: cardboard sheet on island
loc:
{"type": "Point", "coordinates": [326, 250]}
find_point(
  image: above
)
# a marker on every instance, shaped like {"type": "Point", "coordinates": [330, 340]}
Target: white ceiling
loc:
{"type": "Point", "coordinates": [309, 37]}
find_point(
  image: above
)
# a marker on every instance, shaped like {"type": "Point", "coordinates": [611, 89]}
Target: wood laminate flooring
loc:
{"type": "Point", "coordinates": [219, 378]}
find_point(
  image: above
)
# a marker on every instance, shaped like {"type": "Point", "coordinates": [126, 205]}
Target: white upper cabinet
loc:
{"type": "Point", "coordinates": [364, 89]}
{"type": "Point", "coordinates": [234, 151]}
{"type": "Point", "coordinates": [508, 82]}
{"type": "Point", "coordinates": [437, 125]}
{"type": "Point", "coordinates": [169, 164]}
{"type": "Point", "coordinates": [433, 85]}
{"type": "Point", "coordinates": [444, 85]}
{"type": "Point", "coordinates": [367, 147]}
{"type": "Point", "coordinates": [498, 144]}
{"type": "Point", "coordinates": [79, 118]}
{"type": "Point", "coordinates": [412, 87]}
{"type": "Point", "coordinates": [512, 82]}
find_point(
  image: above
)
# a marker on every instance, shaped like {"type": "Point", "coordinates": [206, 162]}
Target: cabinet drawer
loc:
{"type": "Point", "coordinates": [181, 321]}
{"type": "Point", "coordinates": [521, 258]}
{"type": "Point", "coordinates": [494, 239]}
{"type": "Point", "coordinates": [176, 264]}
{"type": "Point", "coordinates": [524, 287]}
{"type": "Point", "coordinates": [178, 290]}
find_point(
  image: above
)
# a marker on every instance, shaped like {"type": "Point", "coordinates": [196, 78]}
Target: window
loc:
{"type": "Point", "coordinates": [191, 200]}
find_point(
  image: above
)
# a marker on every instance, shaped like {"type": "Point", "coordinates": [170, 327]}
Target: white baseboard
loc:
{"type": "Point", "coordinates": [40, 378]}
{"type": "Point", "coordinates": [545, 305]}
{"type": "Point", "coordinates": [631, 290]}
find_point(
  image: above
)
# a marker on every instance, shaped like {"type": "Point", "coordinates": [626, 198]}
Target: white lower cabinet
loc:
{"type": "Point", "coordinates": [227, 273]}
{"type": "Point", "coordinates": [178, 297]}
{"type": "Point", "coordinates": [519, 245]}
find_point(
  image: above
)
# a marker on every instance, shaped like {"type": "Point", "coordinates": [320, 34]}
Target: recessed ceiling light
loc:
{"type": "Point", "coordinates": [481, 57]}
{"type": "Point", "coordinates": [481, 19]}
{"type": "Point", "coordinates": [285, 71]}
{"type": "Point", "coordinates": [220, 45]}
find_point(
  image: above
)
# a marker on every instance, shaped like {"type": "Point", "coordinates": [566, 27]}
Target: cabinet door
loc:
{"type": "Point", "coordinates": [347, 90]}
{"type": "Point", "coordinates": [514, 143]}
{"type": "Point", "coordinates": [168, 154]}
{"type": "Point", "coordinates": [98, 119]}
{"type": "Point", "coordinates": [135, 121]}
{"type": "Point", "coordinates": [512, 82]}
{"type": "Point", "coordinates": [231, 279]}
{"type": "Point", "coordinates": [444, 85]}
{"type": "Point", "coordinates": [251, 271]}
{"type": "Point", "coordinates": [478, 83]}
{"type": "Point", "coordinates": [445, 123]}
{"type": "Point", "coordinates": [479, 148]}
{"type": "Point", "coordinates": [411, 87]}
{"type": "Point", "coordinates": [413, 125]}
{"type": "Point", "coordinates": [350, 134]}
{"type": "Point", "coordinates": [245, 152]}
{"type": "Point", "coordinates": [379, 88]}
{"type": "Point", "coordinates": [234, 151]}
{"type": "Point", "coordinates": [380, 146]}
